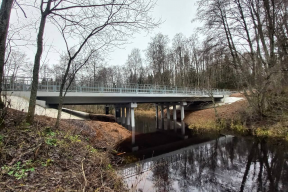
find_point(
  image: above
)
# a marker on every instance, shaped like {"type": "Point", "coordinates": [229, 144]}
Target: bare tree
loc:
{"type": "Point", "coordinates": [134, 64]}
{"type": "Point", "coordinates": [5, 13]}
{"type": "Point", "coordinates": [249, 29]}
{"type": "Point", "coordinates": [98, 33]}
{"type": "Point", "coordinates": [15, 63]}
{"type": "Point", "coordinates": [89, 19]}
{"type": "Point", "coordinates": [156, 56]}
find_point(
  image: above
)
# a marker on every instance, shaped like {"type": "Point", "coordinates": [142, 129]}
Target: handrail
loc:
{"type": "Point", "coordinates": [24, 84]}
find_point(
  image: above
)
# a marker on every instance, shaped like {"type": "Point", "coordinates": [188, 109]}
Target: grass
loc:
{"type": "Point", "coordinates": [239, 126]}
{"type": "Point", "coordinates": [149, 113]}
{"type": "Point", "coordinates": [39, 157]}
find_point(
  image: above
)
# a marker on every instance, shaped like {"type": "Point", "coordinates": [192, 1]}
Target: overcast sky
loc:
{"type": "Point", "coordinates": [175, 14]}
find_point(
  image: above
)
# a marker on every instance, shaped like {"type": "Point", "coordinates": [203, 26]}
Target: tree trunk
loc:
{"type": "Point", "coordinates": [5, 13]}
{"type": "Point", "coordinates": [33, 95]}
{"type": "Point", "coordinates": [247, 169]}
{"type": "Point", "coordinates": [61, 99]}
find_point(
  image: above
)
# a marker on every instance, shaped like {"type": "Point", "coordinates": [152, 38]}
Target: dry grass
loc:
{"type": "Point", "coordinates": [149, 113]}
{"type": "Point", "coordinates": [206, 119]}
{"type": "Point", "coordinates": [39, 157]}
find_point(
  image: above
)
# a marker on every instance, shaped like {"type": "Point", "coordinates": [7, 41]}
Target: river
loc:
{"type": "Point", "coordinates": [225, 164]}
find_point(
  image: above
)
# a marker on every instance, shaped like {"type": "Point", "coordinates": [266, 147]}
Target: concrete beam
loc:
{"type": "Point", "coordinates": [85, 98]}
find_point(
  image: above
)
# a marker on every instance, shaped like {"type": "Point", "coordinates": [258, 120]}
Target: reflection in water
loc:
{"type": "Point", "coordinates": [226, 164]}
{"type": "Point", "coordinates": [148, 124]}
{"type": "Point", "coordinates": [145, 124]}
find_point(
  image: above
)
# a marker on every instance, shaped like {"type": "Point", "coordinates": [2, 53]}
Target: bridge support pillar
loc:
{"type": "Point", "coordinates": [182, 118]}
{"type": "Point", "coordinates": [117, 114]}
{"type": "Point", "coordinates": [174, 117]}
{"type": "Point", "coordinates": [115, 108]}
{"type": "Point", "coordinates": [168, 117]}
{"type": "Point", "coordinates": [156, 107]}
{"type": "Point", "coordinates": [162, 116]}
{"type": "Point", "coordinates": [128, 117]}
{"type": "Point", "coordinates": [107, 110]}
{"type": "Point", "coordinates": [133, 106]}
{"type": "Point", "coordinates": [123, 116]}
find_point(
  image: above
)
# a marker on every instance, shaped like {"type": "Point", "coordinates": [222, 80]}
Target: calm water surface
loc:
{"type": "Point", "coordinates": [145, 124]}
{"type": "Point", "coordinates": [226, 164]}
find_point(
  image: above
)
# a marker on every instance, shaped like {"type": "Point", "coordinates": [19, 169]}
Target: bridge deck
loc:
{"type": "Point", "coordinates": [80, 93]}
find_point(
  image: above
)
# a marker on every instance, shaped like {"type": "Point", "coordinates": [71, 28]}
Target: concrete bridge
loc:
{"type": "Point", "coordinates": [123, 97]}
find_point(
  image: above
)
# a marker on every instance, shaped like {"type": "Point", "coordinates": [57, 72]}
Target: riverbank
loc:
{"type": "Point", "coordinates": [237, 118]}
{"type": "Point", "coordinates": [75, 157]}
{"type": "Point", "coordinates": [208, 119]}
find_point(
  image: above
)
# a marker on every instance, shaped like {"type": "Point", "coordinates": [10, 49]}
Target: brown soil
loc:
{"type": "Point", "coordinates": [74, 157]}
{"type": "Point", "coordinates": [109, 134]}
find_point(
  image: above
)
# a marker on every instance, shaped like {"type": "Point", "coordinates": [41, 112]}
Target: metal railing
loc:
{"type": "Point", "coordinates": [49, 85]}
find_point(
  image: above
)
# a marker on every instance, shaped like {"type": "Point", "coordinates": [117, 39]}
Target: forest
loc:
{"type": "Point", "coordinates": [241, 46]}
